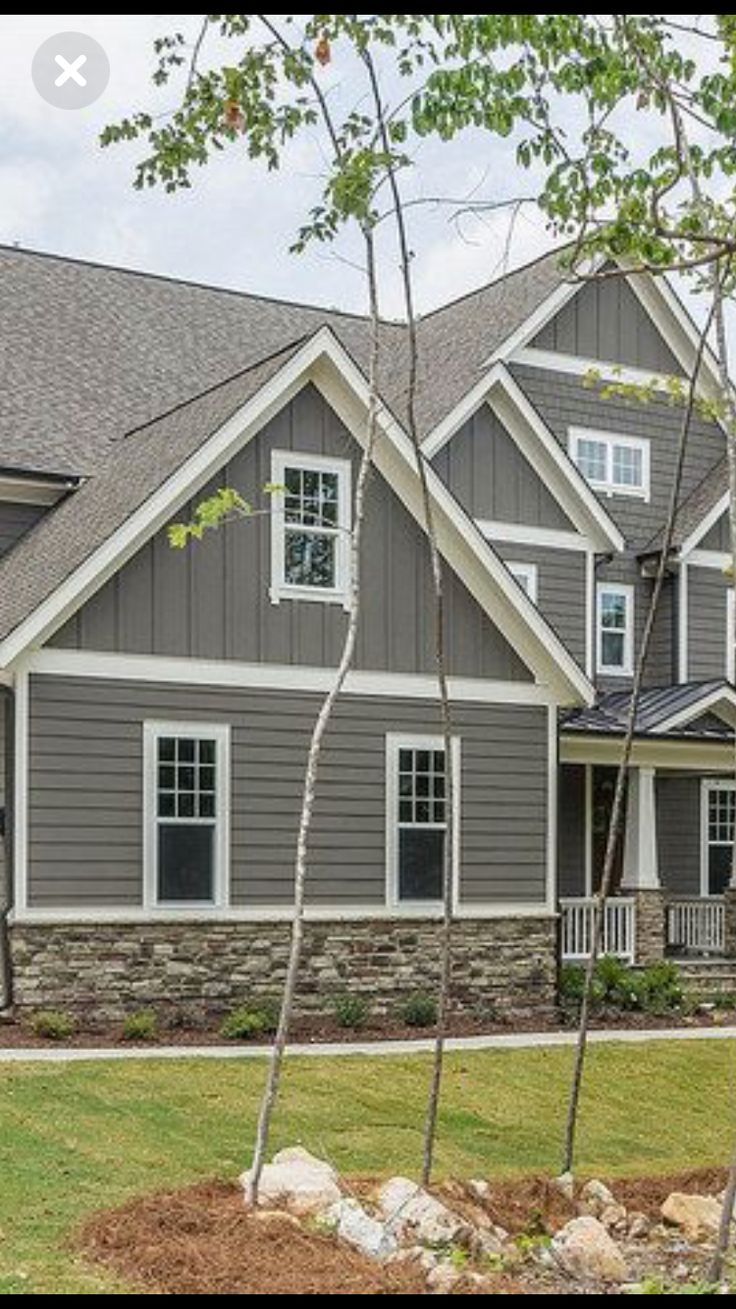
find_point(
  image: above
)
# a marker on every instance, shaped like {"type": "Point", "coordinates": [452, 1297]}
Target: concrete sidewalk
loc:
{"type": "Point", "coordinates": [422, 1045]}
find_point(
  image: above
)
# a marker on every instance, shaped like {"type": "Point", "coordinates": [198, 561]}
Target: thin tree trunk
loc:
{"type": "Point", "coordinates": [617, 811]}
{"type": "Point", "coordinates": [448, 870]}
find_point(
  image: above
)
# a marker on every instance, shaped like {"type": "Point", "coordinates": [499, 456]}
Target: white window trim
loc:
{"type": "Point", "coordinates": [280, 589]}
{"type": "Point", "coordinates": [525, 573]}
{"type": "Point", "coordinates": [611, 439]}
{"type": "Point", "coordinates": [708, 785]}
{"type": "Point", "coordinates": [394, 743]}
{"type": "Point", "coordinates": [627, 668]}
{"type": "Point", "coordinates": [220, 732]}
{"type": "Point", "coordinates": [730, 649]}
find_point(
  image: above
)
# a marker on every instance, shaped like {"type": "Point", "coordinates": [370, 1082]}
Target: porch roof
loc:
{"type": "Point", "coordinates": [690, 711]}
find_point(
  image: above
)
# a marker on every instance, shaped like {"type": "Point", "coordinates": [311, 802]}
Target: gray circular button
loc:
{"type": "Point", "coordinates": [70, 70]}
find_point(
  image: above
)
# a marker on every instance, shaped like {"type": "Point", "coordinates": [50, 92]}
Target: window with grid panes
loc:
{"type": "Point", "coordinates": [186, 818]}
{"type": "Point", "coordinates": [422, 822]}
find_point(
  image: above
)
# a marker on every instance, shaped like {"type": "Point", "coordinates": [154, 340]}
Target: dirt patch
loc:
{"type": "Point", "coordinates": [201, 1241]}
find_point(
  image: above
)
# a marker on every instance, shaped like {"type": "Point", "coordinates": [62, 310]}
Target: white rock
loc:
{"type": "Point", "coordinates": [297, 1180]}
{"type": "Point", "coordinates": [584, 1249]}
{"type": "Point", "coordinates": [479, 1188]}
{"type": "Point", "coordinates": [485, 1241]}
{"type": "Point", "coordinates": [565, 1184]}
{"type": "Point", "coordinates": [639, 1227]}
{"type": "Point", "coordinates": [413, 1214]}
{"type": "Point", "coordinates": [443, 1279]}
{"type": "Point", "coordinates": [354, 1226]}
{"type": "Point", "coordinates": [698, 1217]}
{"type": "Point", "coordinates": [613, 1217]}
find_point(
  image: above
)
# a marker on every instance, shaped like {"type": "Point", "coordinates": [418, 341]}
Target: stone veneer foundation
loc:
{"type": "Point", "coordinates": [503, 966]}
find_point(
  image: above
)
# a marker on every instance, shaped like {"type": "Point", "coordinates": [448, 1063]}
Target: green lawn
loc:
{"type": "Point", "coordinates": [86, 1136]}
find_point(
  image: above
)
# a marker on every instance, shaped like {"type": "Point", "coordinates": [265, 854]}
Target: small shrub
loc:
{"type": "Point", "coordinates": [247, 1022]}
{"type": "Point", "coordinates": [420, 1010]}
{"type": "Point", "coordinates": [351, 1011]}
{"type": "Point", "coordinates": [572, 985]}
{"type": "Point", "coordinates": [142, 1026]}
{"type": "Point", "coordinates": [661, 988]}
{"type": "Point", "coordinates": [53, 1025]}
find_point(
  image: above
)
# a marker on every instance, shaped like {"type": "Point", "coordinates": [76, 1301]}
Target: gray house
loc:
{"type": "Point", "coordinates": [157, 704]}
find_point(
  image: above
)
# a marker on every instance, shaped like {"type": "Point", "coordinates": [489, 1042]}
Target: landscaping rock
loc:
{"type": "Point", "coordinates": [594, 1198]}
{"type": "Point", "coordinates": [413, 1214]}
{"type": "Point", "coordinates": [639, 1227]}
{"type": "Point", "coordinates": [485, 1241]}
{"type": "Point", "coordinates": [614, 1218]}
{"type": "Point", "coordinates": [584, 1249]}
{"type": "Point", "coordinates": [444, 1279]}
{"type": "Point", "coordinates": [479, 1188]}
{"type": "Point", "coordinates": [297, 1180]}
{"type": "Point", "coordinates": [696, 1216]}
{"type": "Point", "coordinates": [565, 1184]}
{"type": "Point", "coordinates": [354, 1226]}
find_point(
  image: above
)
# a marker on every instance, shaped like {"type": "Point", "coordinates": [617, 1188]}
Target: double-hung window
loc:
{"type": "Point", "coordinates": [310, 537]}
{"type": "Point", "coordinates": [719, 806]}
{"type": "Point", "coordinates": [418, 804]}
{"type": "Point", "coordinates": [186, 780]}
{"type": "Point", "coordinates": [613, 464]}
{"type": "Point", "coordinates": [615, 629]}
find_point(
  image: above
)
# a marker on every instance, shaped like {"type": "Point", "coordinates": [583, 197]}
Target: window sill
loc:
{"type": "Point", "coordinates": [311, 594]}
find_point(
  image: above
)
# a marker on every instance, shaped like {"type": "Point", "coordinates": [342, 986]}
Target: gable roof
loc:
{"type": "Point", "coordinates": [102, 526]}
{"type": "Point", "coordinates": [695, 514]}
{"type": "Point", "coordinates": [662, 711]}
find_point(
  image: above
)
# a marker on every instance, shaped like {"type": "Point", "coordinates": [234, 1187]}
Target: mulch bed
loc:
{"type": "Point", "coordinates": [201, 1240]}
{"type": "Point", "coordinates": [19, 1034]}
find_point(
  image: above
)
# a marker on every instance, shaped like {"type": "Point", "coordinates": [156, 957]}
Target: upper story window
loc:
{"type": "Point", "coordinates": [615, 629]}
{"type": "Point", "coordinates": [310, 536]}
{"type": "Point", "coordinates": [186, 814]}
{"type": "Point", "coordinates": [526, 575]}
{"type": "Point", "coordinates": [613, 464]}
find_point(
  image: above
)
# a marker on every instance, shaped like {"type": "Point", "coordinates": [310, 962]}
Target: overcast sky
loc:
{"type": "Point", "coordinates": [60, 192]}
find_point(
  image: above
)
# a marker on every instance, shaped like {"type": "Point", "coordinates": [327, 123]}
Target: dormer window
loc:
{"type": "Point", "coordinates": [611, 464]}
{"type": "Point", "coordinates": [310, 536]}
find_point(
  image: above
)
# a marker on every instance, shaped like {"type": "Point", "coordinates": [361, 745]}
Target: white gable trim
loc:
{"type": "Point", "coordinates": [721, 701]}
{"type": "Point", "coordinates": [541, 449]}
{"type": "Point", "coordinates": [705, 525]}
{"type": "Point", "coordinates": [323, 361]}
{"type": "Point", "coordinates": [555, 361]}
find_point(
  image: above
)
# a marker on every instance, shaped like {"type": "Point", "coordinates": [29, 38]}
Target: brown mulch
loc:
{"type": "Point", "coordinates": [19, 1034]}
{"type": "Point", "coordinates": [201, 1241]}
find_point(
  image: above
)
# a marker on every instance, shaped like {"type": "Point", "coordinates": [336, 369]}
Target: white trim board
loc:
{"type": "Point", "coordinates": [519, 534]}
{"type": "Point", "coordinates": [539, 447]}
{"type": "Point", "coordinates": [577, 748]}
{"type": "Point", "coordinates": [323, 361]}
{"type": "Point", "coordinates": [556, 361]}
{"type": "Point", "coordinates": [275, 914]}
{"type": "Point", "coordinates": [34, 490]}
{"type": "Point", "coordinates": [718, 559]}
{"type": "Point", "coordinates": [278, 677]}
{"type": "Point", "coordinates": [721, 702]}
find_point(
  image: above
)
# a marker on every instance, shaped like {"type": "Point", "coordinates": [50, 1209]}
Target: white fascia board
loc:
{"type": "Point", "coordinates": [577, 748]}
{"type": "Point", "coordinates": [721, 701]}
{"type": "Point", "coordinates": [34, 490]}
{"type": "Point", "coordinates": [720, 560]}
{"type": "Point", "coordinates": [459, 540]}
{"type": "Point", "coordinates": [704, 526]}
{"type": "Point", "coordinates": [550, 538]}
{"type": "Point", "coordinates": [52, 662]}
{"type": "Point", "coordinates": [542, 450]}
{"type": "Point", "coordinates": [556, 361]}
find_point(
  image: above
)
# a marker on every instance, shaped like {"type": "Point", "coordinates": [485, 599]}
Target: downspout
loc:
{"type": "Point", "coordinates": [7, 880]}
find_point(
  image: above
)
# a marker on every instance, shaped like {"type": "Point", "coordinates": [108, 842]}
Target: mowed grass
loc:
{"type": "Point", "coordinates": [80, 1137]}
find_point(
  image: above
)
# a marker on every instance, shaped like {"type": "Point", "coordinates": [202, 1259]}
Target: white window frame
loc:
{"type": "Point", "coordinates": [527, 575]}
{"type": "Point", "coordinates": [707, 786]}
{"type": "Point", "coordinates": [730, 652]}
{"type": "Point", "coordinates": [220, 733]}
{"type": "Point", "coordinates": [607, 486]}
{"type": "Point", "coordinates": [394, 743]}
{"type": "Point", "coordinates": [627, 668]}
{"type": "Point", "coordinates": [280, 589]}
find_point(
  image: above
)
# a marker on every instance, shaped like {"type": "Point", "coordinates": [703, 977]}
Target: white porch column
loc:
{"type": "Point", "coordinates": [641, 864]}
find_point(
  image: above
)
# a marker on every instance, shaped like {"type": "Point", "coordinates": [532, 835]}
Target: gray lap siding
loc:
{"type": "Point", "coordinates": [85, 838]}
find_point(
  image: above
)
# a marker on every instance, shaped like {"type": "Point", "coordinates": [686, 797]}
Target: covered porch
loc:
{"type": "Point", "coordinates": [672, 892]}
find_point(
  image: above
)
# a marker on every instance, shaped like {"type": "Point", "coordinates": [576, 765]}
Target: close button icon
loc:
{"type": "Point", "coordinates": [70, 70]}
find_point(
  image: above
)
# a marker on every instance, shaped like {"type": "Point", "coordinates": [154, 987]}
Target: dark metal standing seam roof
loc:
{"type": "Point", "coordinates": [609, 715]}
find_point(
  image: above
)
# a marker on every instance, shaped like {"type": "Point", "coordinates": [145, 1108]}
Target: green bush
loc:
{"type": "Point", "coordinates": [420, 1010]}
{"type": "Point", "coordinates": [53, 1025]}
{"type": "Point", "coordinates": [249, 1021]}
{"type": "Point", "coordinates": [620, 988]}
{"type": "Point", "coordinates": [351, 1011]}
{"type": "Point", "coordinates": [142, 1026]}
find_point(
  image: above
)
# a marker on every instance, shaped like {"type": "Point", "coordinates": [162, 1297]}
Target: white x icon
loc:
{"type": "Point", "coordinates": [70, 70]}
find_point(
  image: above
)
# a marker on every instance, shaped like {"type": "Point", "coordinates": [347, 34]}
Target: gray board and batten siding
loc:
{"type": "Point", "coordinates": [211, 600]}
{"type": "Point", "coordinates": [561, 582]}
{"type": "Point", "coordinates": [719, 536]}
{"type": "Point", "coordinates": [606, 321]}
{"type": "Point", "coordinates": [86, 792]}
{"type": "Point", "coordinates": [707, 623]}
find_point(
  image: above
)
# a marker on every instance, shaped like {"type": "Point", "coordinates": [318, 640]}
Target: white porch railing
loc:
{"type": "Point", "coordinates": [619, 928]}
{"type": "Point", "coordinates": [696, 925]}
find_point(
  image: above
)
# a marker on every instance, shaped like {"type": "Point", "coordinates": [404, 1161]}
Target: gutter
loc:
{"type": "Point", "coordinates": [7, 880]}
